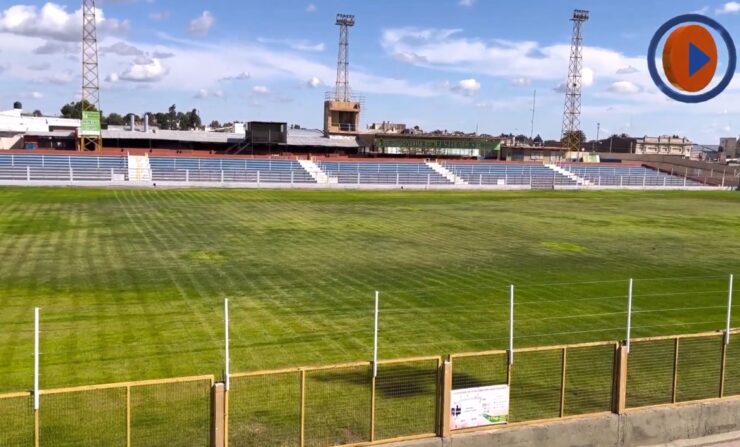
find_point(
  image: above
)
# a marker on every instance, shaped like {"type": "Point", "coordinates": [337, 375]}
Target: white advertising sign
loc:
{"type": "Point", "coordinates": [476, 407]}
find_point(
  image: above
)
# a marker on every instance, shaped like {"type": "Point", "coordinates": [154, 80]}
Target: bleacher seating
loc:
{"type": "Point", "coordinates": [61, 167]}
{"type": "Point", "coordinates": [627, 176]}
{"type": "Point", "coordinates": [182, 169]}
{"type": "Point", "coordinates": [536, 174]}
{"type": "Point", "coordinates": [383, 173]}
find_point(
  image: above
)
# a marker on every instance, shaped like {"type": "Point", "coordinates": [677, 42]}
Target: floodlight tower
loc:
{"type": "Point", "coordinates": [90, 138]}
{"type": "Point", "coordinates": [572, 114]}
{"type": "Point", "coordinates": [341, 109]}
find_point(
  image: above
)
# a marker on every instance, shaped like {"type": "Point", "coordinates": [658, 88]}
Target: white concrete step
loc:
{"type": "Point", "coordinates": [320, 176]}
{"type": "Point", "coordinates": [580, 180]}
{"type": "Point", "coordinates": [139, 169]}
{"type": "Point", "coordinates": [446, 173]}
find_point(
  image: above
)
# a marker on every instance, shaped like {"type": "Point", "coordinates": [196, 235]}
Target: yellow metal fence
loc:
{"type": "Point", "coordinates": [147, 413]}
{"type": "Point", "coordinates": [335, 405]}
{"type": "Point", "coordinates": [345, 405]}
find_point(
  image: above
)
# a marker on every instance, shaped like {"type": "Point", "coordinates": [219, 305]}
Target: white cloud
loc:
{"type": "Point", "coordinates": [260, 90]}
{"type": "Point", "coordinates": [35, 95]}
{"type": "Point", "coordinates": [204, 94]}
{"type": "Point", "coordinates": [314, 82]}
{"type": "Point", "coordinates": [627, 70]}
{"type": "Point", "coordinates": [53, 22]}
{"type": "Point", "coordinates": [237, 77]}
{"type": "Point", "coordinates": [145, 70]}
{"type": "Point", "coordinates": [122, 49]}
{"type": "Point", "coordinates": [625, 88]}
{"type": "Point", "coordinates": [112, 78]}
{"type": "Point", "coordinates": [521, 81]}
{"type": "Point", "coordinates": [295, 44]}
{"type": "Point", "coordinates": [729, 8]}
{"type": "Point", "coordinates": [466, 3]}
{"type": "Point", "coordinates": [467, 87]}
{"type": "Point", "coordinates": [158, 16]}
{"type": "Point", "coordinates": [51, 47]}
{"type": "Point", "coordinates": [41, 66]}
{"type": "Point", "coordinates": [409, 58]}
{"type": "Point", "coordinates": [201, 25]}
{"type": "Point", "coordinates": [448, 50]}
{"type": "Point", "coordinates": [311, 7]}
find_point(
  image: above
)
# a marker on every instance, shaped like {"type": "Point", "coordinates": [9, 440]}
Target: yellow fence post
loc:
{"type": "Point", "coordinates": [620, 379]}
{"type": "Point", "coordinates": [675, 370]}
{"type": "Point", "coordinates": [723, 366]}
{"type": "Point", "coordinates": [444, 430]}
{"type": "Point", "coordinates": [562, 381]}
{"type": "Point", "coordinates": [302, 435]}
{"type": "Point", "coordinates": [218, 415]}
{"type": "Point", "coordinates": [128, 416]}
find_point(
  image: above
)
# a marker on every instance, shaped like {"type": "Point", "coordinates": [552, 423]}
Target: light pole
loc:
{"type": "Point", "coordinates": [598, 130]}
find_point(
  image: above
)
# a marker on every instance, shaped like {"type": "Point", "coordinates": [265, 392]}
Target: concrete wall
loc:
{"type": "Point", "coordinates": [645, 427]}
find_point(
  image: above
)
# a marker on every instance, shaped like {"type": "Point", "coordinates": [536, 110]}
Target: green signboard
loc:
{"type": "Point", "coordinates": [90, 125]}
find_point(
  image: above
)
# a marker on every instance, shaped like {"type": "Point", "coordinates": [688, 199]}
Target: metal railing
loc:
{"type": "Point", "coordinates": [345, 404]}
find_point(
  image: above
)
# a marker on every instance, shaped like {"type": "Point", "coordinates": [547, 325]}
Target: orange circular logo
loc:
{"type": "Point", "coordinates": [690, 58]}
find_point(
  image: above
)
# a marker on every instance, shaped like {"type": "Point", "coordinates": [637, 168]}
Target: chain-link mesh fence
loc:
{"type": "Point", "coordinates": [479, 370]}
{"type": "Point", "coordinates": [589, 375]}
{"type": "Point", "coordinates": [732, 366]}
{"type": "Point", "coordinates": [535, 385]}
{"type": "Point", "coordinates": [16, 420]}
{"type": "Point", "coordinates": [650, 372]}
{"type": "Point", "coordinates": [699, 368]}
{"type": "Point", "coordinates": [265, 410]}
{"type": "Point", "coordinates": [337, 405]}
{"type": "Point", "coordinates": [406, 398]}
{"type": "Point", "coordinates": [172, 413]}
{"type": "Point", "coordinates": [93, 417]}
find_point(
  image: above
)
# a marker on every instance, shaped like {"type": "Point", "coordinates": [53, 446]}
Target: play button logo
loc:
{"type": "Point", "coordinates": [690, 58]}
{"type": "Point", "coordinates": [697, 59]}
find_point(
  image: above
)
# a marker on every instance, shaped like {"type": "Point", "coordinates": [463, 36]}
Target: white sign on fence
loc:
{"type": "Point", "coordinates": [476, 407]}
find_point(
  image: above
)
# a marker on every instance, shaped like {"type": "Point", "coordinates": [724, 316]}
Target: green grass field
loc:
{"type": "Point", "coordinates": [131, 282]}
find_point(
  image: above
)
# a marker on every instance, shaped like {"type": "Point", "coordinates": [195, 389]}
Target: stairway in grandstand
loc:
{"type": "Point", "coordinates": [579, 180]}
{"type": "Point", "coordinates": [139, 169]}
{"type": "Point", "coordinates": [320, 176]}
{"type": "Point", "coordinates": [509, 174]}
{"type": "Point", "coordinates": [446, 173]}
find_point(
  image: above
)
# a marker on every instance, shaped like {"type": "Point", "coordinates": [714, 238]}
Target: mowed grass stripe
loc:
{"type": "Point", "coordinates": [131, 282]}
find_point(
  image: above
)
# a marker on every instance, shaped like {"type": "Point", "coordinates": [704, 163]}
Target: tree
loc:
{"type": "Point", "coordinates": [537, 140]}
{"type": "Point", "coordinates": [74, 109]}
{"type": "Point", "coordinates": [574, 139]}
{"type": "Point", "coordinates": [37, 113]}
{"type": "Point", "coordinates": [215, 125]}
{"type": "Point", "coordinates": [114, 119]}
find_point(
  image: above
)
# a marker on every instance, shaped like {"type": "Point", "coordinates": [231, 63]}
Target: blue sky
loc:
{"type": "Point", "coordinates": [440, 64]}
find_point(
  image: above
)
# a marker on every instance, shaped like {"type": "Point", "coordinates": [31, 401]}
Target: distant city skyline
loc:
{"type": "Point", "coordinates": [442, 64]}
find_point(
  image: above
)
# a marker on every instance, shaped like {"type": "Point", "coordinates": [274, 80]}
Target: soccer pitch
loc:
{"type": "Point", "coordinates": [131, 282]}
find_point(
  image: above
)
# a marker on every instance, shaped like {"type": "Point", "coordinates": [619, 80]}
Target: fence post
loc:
{"type": "Point", "coordinates": [112, 174]}
{"type": "Point", "coordinates": [128, 416]}
{"type": "Point", "coordinates": [563, 369]}
{"type": "Point", "coordinates": [620, 379]}
{"type": "Point", "coordinates": [302, 435]}
{"type": "Point", "coordinates": [629, 314]}
{"type": "Point", "coordinates": [227, 374]}
{"type": "Point", "coordinates": [446, 398]}
{"type": "Point", "coordinates": [375, 368]}
{"type": "Point", "coordinates": [36, 395]}
{"type": "Point", "coordinates": [28, 173]}
{"type": "Point", "coordinates": [258, 178]}
{"type": "Point", "coordinates": [218, 415]}
{"type": "Point", "coordinates": [675, 369]}
{"type": "Point", "coordinates": [71, 175]}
